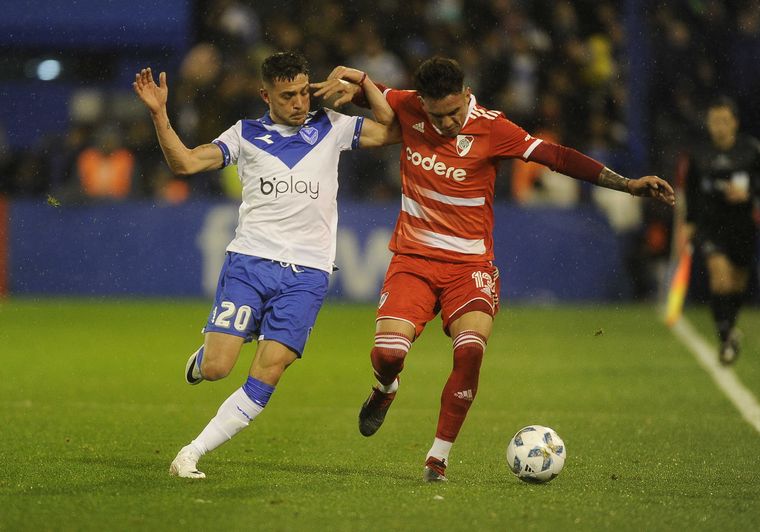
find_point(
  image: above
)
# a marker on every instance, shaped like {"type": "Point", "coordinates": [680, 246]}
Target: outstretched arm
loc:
{"type": "Point", "coordinates": [180, 158]}
{"type": "Point", "coordinates": [574, 164]}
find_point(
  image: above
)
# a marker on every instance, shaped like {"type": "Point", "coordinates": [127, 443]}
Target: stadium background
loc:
{"type": "Point", "coordinates": [622, 81]}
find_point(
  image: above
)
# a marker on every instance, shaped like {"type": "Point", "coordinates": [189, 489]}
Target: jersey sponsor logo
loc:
{"type": "Point", "coordinates": [309, 134]}
{"type": "Point", "coordinates": [265, 138]}
{"type": "Point", "coordinates": [419, 126]}
{"type": "Point", "coordinates": [464, 143]}
{"type": "Point", "coordinates": [279, 187]}
{"type": "Point", "coordinates": [437, 167]}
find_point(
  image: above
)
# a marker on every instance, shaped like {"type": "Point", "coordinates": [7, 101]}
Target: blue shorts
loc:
{"type": "Point", "coordinates": [268, 300]}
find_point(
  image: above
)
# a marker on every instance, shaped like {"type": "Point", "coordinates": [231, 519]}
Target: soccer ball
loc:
{"type": "Point", "coordinates": [536, 454]}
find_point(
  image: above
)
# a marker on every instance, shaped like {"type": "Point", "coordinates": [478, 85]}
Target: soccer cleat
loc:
{"type": "Point", "coordinates": [185, 464]}
{"type": "Point", "coordinates": [373, 411]}
{"type": "Point", "coordinates": [192, 371]}
{"type": "Point", "coordinates": [435, 470]}
{"type": "Point", "coordinates": [729, 350]}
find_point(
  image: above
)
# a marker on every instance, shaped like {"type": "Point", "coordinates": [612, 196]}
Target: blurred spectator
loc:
{"type": "Point", "coordinates": [106, 170]}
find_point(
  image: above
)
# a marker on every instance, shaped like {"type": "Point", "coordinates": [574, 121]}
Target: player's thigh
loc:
{"type": "Point", "coordinates": [220, 353]}
{"type": "Point", "coordinates": [245, 284]}
{"type": "Point", "coordinates": [289, 317]}
{"type": "Point", "coordinates": [407, 296]}
{"type": "Point", "coordinates": [720, 271]}
{"type": "Point", "coordinates": [271, 360]}
{"type": "Point", "coordinates": [470, 297]}
{"type": "Point", "coordinates": [478, 321]}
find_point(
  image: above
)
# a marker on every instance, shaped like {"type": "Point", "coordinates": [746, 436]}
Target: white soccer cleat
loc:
{"type": "Point", "coordinates": [185, 464]}
{"type": "Point", "coordinates": [192, 372]}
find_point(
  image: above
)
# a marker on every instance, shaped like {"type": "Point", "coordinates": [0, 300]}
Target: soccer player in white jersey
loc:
{"type": "Point", "coordinates": [276, 270]}
{"type": "Point", "coordinates": [443, 242]}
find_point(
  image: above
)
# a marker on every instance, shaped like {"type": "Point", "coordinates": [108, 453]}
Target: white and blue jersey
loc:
{"type": "Point", "coordinates": [275, 275]}
{"type": "Point", "coordinates": [290, 184]}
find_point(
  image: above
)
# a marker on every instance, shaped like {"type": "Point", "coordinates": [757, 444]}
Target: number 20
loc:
{"type": "Point", "coordinates": [242, 316]}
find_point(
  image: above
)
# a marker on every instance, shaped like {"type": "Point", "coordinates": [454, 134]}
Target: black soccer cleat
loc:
{"type": "Point", "coordinates": [729, 350]}
{"type": "Point", "coordinates": [373, 411]}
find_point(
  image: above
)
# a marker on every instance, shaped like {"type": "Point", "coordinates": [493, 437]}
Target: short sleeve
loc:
{"type": "Point", "coordinates": [508, 140]}
{"type": "Point", "coordinates": [348, 129]}
{"type": "Point", "coordinates": [229, 143]}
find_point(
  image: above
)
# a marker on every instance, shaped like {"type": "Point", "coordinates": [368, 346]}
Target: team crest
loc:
{"type": "Point", "coordinates": [309, 134]}
{"type": "Point", "coordinates": [383, 297]}
{"type": "Point", "coordinates": [464, 143]}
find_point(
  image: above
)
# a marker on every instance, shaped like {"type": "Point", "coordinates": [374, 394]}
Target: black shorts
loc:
{"type": "Point", "coordinates": [739, 244]}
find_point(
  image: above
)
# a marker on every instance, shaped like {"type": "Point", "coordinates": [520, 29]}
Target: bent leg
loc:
{"type": "Point", "coordinates": [219, 354]}
{"type": "Point", "coordinates": [393, 339]}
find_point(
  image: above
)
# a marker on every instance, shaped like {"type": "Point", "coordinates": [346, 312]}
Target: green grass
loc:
{"type": "Point", "coordinates": [93, 409]}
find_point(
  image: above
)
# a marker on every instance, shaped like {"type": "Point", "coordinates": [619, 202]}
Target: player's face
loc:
{"type": "Point", "coordinates": [288, 100]}
{"type": "Point", "coordinates": [449, 113]}
{"type": "Point", "coordinates": [722, 125]}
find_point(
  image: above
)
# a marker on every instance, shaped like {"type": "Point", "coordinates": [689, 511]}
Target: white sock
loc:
{"type": "Point", "coordinates": [440, 450]}
{"type": "Point", "coordinates": [233, 416]}
{"type": "Point", "coordinates": [392, 387]}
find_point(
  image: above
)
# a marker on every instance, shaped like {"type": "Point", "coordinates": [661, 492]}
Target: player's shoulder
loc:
{"type": "Point", "coordinates": [403, 98]}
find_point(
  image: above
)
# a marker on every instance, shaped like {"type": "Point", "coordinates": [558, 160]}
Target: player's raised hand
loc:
{"type": "Point", "coordinates": [651, 186]}
{"type": "Point", "coordinates": [153, 96]}
{"type": "Point", "coordinates": [342, 91]}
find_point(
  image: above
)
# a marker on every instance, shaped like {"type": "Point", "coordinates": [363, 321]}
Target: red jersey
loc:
{"type": "Point", "coordinates": [447, 184]}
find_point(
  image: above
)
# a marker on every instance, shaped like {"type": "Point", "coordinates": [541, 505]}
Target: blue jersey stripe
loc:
{"type": "Point", "coordinates": [225, 152]}
{"type": "Point", "coordinates": [357, 132]}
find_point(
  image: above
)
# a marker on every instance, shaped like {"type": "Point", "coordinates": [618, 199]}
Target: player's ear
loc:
{"type": "Point", "coordinates": [264, 94]}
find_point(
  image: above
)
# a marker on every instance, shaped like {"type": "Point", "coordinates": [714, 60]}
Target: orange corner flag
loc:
{"type": "Point", "coordinates": [679, 285]}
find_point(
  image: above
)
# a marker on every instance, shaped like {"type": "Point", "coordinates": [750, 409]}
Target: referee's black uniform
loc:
{"type": "Point", "coordinates": [723, 227]}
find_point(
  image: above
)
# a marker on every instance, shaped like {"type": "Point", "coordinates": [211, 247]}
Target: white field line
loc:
{"type": "Point", "coordinates": [724, 377]}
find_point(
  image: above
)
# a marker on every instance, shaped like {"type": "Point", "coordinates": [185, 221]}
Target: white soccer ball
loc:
{"type": "Point", "coordinates": [536, 454]}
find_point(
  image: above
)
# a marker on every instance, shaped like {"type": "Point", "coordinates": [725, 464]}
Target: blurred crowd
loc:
{"type": "Point", "coordinates": [561, 69]}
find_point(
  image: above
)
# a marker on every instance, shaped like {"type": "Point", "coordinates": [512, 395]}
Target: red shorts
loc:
{"type": "Point", "coordinates": [417, 288]}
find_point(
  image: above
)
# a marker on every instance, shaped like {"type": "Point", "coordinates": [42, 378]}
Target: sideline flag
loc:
{"type": "Point", "coordinates": [679, 285]}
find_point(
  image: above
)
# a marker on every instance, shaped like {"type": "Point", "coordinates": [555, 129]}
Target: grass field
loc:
{"type": "Point", "coordinates": [93, 409]}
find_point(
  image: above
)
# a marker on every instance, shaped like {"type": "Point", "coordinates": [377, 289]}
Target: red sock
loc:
{"type": "Point", "coordinates": [460, 389]}
{"type": "Point", "coordinates": [388, 356]}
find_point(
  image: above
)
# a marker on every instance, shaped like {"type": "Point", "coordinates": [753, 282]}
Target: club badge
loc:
{"type": "Point", "coordinates": [464, 143]}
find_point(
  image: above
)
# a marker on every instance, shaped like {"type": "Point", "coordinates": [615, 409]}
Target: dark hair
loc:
{"type": "Point", "coordinates": [724, 101]}
{"type": "Point", "coordinates": [283, 66]}
{"type": "Point", "coordinates": [438, 77]}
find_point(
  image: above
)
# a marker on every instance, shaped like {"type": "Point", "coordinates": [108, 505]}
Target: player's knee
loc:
{"type": "Point", "coordinates": [388, 355]}
{"type": "Point", "coordinates": [387, 360]}
{"type": "Point", "coordinates": [214, 369]}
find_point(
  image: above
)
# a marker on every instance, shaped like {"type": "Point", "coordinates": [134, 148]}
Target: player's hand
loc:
{"type": "Point", "coordinates": [153, 96]}
{"type": "Point", "coordinates": [343, 91]}
{"type": "Point", "coordinates": [651, 186]}
{"type": "Point", "coordinates": [736, 193]}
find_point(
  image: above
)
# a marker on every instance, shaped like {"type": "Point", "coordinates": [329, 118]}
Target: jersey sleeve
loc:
{"type": "Point", "coordinates": [508, 140]}
{"type": "Point", "coordinates": [347, 128]}
{"type": "Point", "coordinates": [229, 143]}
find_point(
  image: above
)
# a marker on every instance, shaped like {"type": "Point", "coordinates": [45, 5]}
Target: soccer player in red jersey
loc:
{"type": "Point", "coordinates": [443, 240]}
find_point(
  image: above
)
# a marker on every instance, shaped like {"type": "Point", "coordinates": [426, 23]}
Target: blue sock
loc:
{"type": "Point", "coordinates": [259, 392]}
